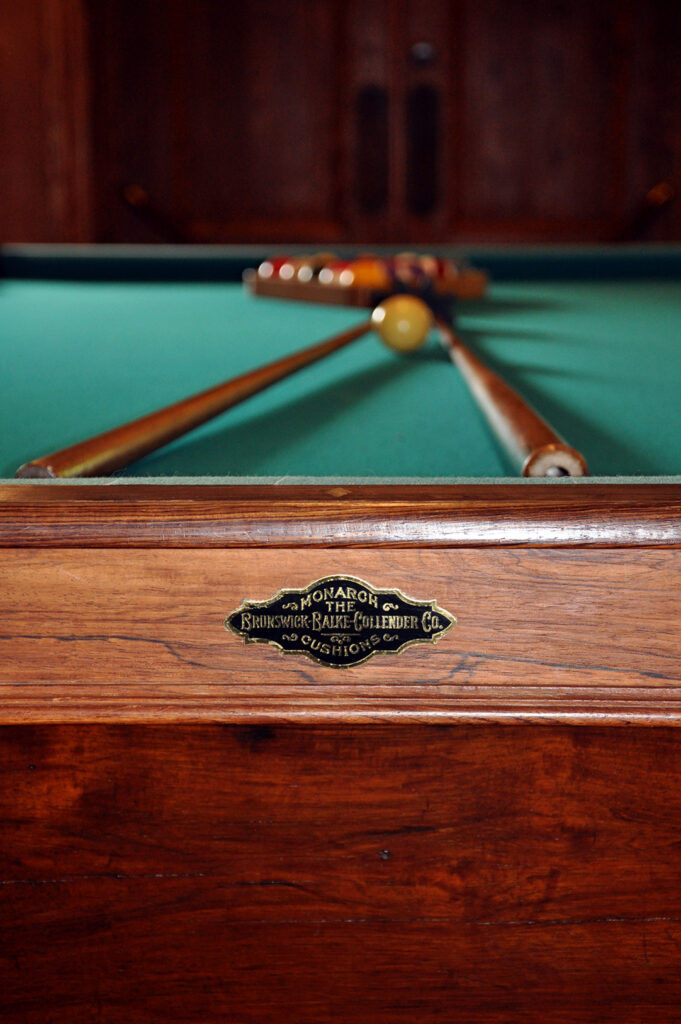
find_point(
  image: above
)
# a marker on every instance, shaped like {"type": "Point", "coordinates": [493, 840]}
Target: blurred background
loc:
{"type": "Point", "coordinates": [424, 121]}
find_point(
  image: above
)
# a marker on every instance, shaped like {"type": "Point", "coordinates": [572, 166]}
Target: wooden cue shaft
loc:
{"type": "Point", "coordinates": [533, 446]}
{"type": "Point", "coordinates": [114, 449]}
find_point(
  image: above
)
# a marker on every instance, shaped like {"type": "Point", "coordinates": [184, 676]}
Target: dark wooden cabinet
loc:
{"type": "Point", "coordinates": [46, 188]}
{"type": "Point", "coordinates": [369, 120]}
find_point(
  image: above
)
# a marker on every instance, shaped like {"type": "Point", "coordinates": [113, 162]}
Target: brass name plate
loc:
{"type": "Point", "coordinates": [340, 621]}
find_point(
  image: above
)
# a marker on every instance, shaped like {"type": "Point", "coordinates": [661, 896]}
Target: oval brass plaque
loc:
{"type": "Point", "coordinates": [340, 621]}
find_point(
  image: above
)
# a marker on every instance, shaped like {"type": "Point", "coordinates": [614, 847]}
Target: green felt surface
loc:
{"type": "Point", "coordinates": [601, 360]}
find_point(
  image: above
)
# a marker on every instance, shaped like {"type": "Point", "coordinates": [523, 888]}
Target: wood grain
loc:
{"type": "Point", "coordinates": [578, 168]}
{"type": "Point", "coordinates": [541, 635]}
{"type": "Point", "coordinates": [208, 81]}
{"type": "Point", "coordinates": [343, 514]}
{"type": "Point", "coordinates": [326, 875]}
{"type": "Point", "coordinates": [45, 76]}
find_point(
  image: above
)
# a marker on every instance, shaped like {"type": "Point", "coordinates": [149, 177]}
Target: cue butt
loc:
{"type": "Point", "coordinates": [532, 445]}
{"type": "Point", "coordinates": [116, 448]}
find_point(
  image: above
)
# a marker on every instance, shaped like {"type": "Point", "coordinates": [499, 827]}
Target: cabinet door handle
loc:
{"type": "Point", "coordinates": [422, 116]}
{"type": "Point", "coordinates": [371, 149]}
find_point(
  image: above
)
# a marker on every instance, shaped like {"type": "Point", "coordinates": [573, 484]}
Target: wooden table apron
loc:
{"type": "Point", "coordinates": [486, 829]}
{"type": "Point", "coordinates": [567, 601]}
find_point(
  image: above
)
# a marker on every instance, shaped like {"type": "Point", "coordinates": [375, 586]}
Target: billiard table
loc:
{"type": "Point", "coordinates": [482, 824]}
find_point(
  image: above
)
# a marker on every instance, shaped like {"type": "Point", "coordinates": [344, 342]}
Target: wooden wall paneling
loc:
{"type": "Point", "coordinates": [539, 98]}
{"type": "Point", "coordinates": [653, 139]}
{"type": "Point", "coordinates": [381, 35]}
{"type": "Point", "coordinates": [67, 98]}
{"type": "Point", "coordinates": [45, 169]}
{"type": "Point", "coordinates": [135, 65]}
{"type": "Point", "coordinates": [369, 104]}
{"type": "Point", "coordinates": [262, 90]}
{"type": "Point", "coordinates": [22, 167]}
{"type": "Point", "coordinates": [241, 123]}
{"type": "Point", "coordinates": [214, 116]}
{"type": "Point", "coordinates": [431, 24]}
{"type": "Point", "coordinates": [228, 118]}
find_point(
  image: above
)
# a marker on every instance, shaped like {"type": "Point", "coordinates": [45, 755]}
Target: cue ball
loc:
{"type": "Point", "coordinates": [403, 322]}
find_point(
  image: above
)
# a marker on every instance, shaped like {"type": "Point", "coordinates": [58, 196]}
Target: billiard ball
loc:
{"type": "Point", "coordinates": [272, 267]}
{"type": "Point", "coordinates": [308, 267]}
{"type": "Point", "coordinates": [408, 269]}
{"type": "Point", "coordinates": [337, 273]}
{"type": "Point", "coordinates": [402, 321]}
{"type": "Point", "coordinates": [371, 272]}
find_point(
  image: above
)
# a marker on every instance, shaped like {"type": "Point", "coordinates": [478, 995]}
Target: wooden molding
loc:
{"type": "Point", "coordinates": [340, 515]}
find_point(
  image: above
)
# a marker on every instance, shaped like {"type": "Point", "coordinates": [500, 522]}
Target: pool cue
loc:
{"type": "Point", "coordinates": [116, 448]}
{"type": "Point", "coordinates": [533, 446]}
